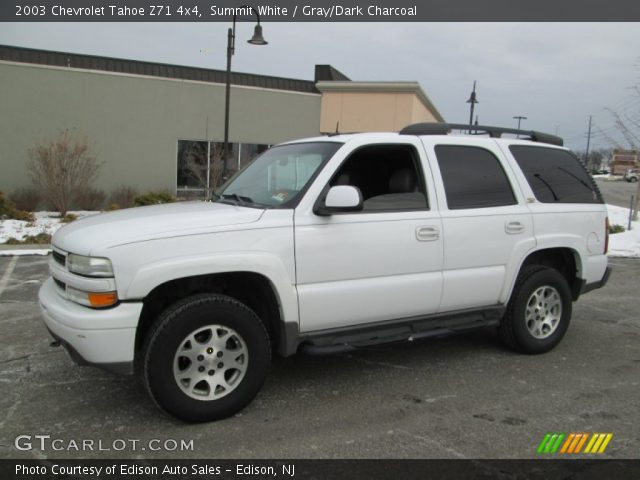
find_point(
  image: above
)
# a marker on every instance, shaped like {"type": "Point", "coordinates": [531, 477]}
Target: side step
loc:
{"type": "Point", "coordinates": [339, 340]}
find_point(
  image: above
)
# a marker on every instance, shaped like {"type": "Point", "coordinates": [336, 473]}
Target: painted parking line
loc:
{"type": "Point", "coordinates": [4, 281]}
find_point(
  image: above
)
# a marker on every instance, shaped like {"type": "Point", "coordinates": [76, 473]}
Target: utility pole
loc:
{"type": "Point", "coordinates": [472, 100]}
{"type": "Point", "coordinates": [586, 155]}
{"type": "Point", "coordinates": [519, 118]}
{"type": "Point", "coordinates": [637, 205]}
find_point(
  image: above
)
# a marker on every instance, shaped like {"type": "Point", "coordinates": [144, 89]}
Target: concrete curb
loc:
{"type": "Point", "coordinates": [34, 246]}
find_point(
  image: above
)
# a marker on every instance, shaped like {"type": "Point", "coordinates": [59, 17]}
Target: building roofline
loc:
{"type": "Point", "coordinates": [326, 73]}
{"type": "Point", "coordinates": [151, 69]}
{"type": "Point", "coordinates": [382, 87]}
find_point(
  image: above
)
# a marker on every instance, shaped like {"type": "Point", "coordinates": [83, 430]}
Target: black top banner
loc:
{"type": "Point", "coordinates": [320, 10]}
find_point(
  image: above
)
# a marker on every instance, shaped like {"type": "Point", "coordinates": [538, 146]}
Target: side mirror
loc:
{"type": "Point", "coordinates": [341, 198]}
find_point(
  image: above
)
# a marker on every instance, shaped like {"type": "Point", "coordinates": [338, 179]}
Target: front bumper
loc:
{"type": "Point", "coordinates": [103, 338]}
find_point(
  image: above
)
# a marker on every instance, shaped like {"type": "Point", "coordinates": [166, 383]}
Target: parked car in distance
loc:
{"type": "Point", "coordinates": [632, 174]}
{"type": "Point", "coordinates": [328, 244]}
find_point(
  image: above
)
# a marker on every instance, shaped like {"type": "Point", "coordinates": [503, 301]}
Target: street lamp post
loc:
{"type": "Point", "coordinates": [472, 100]}
{"type": "Point", "coordinates": [257, 39]}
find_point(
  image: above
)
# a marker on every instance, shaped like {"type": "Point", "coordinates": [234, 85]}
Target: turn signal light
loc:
{"type": "Point", "coordinates": [101, 300]}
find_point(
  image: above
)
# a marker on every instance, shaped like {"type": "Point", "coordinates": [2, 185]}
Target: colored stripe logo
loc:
{"type": "Point", "coordinates": [574, 443]}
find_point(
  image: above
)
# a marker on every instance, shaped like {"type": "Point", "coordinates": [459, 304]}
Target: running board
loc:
{"type": "Point", "coordinates": [339, 340]}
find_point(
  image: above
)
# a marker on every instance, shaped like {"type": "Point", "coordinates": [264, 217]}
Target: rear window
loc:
{"type": "Point", "coordinates": [556, 176]}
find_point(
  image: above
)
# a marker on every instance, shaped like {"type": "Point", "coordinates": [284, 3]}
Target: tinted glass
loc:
{"type": "Point", "coordinates": [473, 178]}
{"type": "Point", "coordinates": [556, 176]}
{"type": "Point", "coordinates": [386, 175]}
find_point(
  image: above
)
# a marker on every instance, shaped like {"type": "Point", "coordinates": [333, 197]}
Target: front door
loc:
{"type": "Point", "coordinates": [381, 263]}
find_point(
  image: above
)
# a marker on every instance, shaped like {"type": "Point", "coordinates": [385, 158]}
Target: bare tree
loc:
{"type": "Point", "coordinates": [194, 163]}
{"type": "Point", "coordinates": [627, 123]}
{"type": "Point", "coordinates": [217, 160]}
{"type": "Point", "coordinates": [62, 168]}
{"type": "Point", "coordinates": [206, 175]}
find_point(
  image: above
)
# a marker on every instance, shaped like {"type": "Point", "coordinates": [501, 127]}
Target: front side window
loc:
{"type": "Point", "coordinates": [555, 176]}
{"type": "Point", "coordinates": [278, 177]}
{"type": "Point", "coordinates": [388, 177]}
{"type": "Point", "coordinates": [473, 178]}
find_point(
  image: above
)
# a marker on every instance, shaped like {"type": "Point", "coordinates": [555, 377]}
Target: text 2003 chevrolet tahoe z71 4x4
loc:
{"type": "Point", "coordinates": [331, 243]}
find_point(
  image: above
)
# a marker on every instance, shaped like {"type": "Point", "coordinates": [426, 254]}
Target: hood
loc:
{"type": "Point", "coordinates": [147, 223]}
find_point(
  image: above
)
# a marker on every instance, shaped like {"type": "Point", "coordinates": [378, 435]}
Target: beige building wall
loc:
{"type": "Point", "coordinates": [133, 122]}
{"type": "Point", "coordinates": [373, 106]}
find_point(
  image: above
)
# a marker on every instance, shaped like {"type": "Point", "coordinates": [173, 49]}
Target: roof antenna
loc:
{"type": "Point", "coordinates": [337, 130]}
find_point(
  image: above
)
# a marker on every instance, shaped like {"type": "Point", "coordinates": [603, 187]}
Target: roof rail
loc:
{"type": "Point", "coordinates": [494, 132]}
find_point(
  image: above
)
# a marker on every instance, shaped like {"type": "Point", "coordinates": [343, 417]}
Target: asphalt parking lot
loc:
{"type": "Point", "coordinates": [617, 192]}
{"type": "Point", "coordinates": [455, 397]}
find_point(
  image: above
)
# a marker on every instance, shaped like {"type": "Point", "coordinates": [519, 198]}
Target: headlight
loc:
{"type": "Point", "coordinates": [89, 266]}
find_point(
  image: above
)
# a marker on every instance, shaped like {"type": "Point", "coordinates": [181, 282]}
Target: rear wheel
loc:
{"type": "Point", "coordinates": [205, 358]}
{"type": "Point", "coordinates": [539, 311]}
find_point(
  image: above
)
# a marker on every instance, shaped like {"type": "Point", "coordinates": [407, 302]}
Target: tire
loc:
{"type": "Point", "coordinates": [633, 179]}
{"type": "Point", "coordinates": [205, 358]}
{"type": "Point", "coordinates": [539, 311]}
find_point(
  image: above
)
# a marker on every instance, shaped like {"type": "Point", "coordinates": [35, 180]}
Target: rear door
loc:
{"type": "Point", "coordinates": [487, 226]}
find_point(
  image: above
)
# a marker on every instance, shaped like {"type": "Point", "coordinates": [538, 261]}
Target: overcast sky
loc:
{"type": "Point", "coordinates": [556, 74]}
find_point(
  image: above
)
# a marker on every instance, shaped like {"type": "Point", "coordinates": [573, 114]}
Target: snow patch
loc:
{"type": "Point", "coordinates": [627, 243]}
{"type": "Point", "coordinates": [45, 222]}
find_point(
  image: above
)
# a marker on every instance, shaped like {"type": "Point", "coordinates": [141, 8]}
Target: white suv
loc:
{"type": "Point", "coordinates": [327, 244]}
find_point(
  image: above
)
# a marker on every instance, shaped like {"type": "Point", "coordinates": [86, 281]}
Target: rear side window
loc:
{"type": "Point", "coordinates": [473, 178]}
{"type": "Point", "coordinates": [556, 176]}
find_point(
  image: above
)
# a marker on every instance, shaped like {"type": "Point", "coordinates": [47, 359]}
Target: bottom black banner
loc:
{"type": "Point", "coordinates": [318, 469]}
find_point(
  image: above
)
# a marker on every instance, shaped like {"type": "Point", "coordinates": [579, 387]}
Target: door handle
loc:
{"type": "Point", "coordinates": [514, 227]}
{"type": "Point", "coordinates": [427, 234]}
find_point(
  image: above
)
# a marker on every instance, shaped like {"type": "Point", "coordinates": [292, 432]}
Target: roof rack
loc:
{"type": "Point", "coordinates": [494, 132]}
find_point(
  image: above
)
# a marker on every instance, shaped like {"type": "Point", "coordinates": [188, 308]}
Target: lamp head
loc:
{"type": "Point", "coordinates": [257, 38]}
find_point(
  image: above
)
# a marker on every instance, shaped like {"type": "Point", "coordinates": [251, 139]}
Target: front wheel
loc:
{"type": "Point", "coordinates": [539, 311]}
{"type": "Point", "coordinates": [205, 358]}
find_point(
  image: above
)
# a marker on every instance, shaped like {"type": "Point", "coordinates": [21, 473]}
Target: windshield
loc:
{"type": "Point", "coordinates": [279, 176]}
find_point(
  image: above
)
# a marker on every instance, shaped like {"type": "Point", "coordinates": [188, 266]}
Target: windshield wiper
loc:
{"type": "Point", "coordinates": [238, 200]}
{"type": "Point", "coordinates": [539, 177]}
{"type": "Point", "coordinates": [564, 170]}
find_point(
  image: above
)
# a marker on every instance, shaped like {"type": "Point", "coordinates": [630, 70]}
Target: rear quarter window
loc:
{"type": "Point", "coordinates": [556, 176]}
